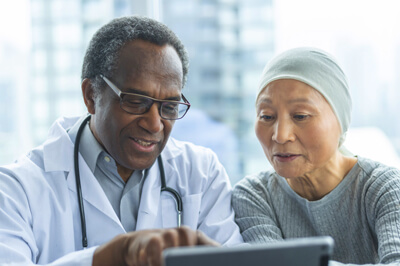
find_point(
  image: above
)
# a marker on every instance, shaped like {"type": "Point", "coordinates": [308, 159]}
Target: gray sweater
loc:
{"type": "Point", "coordinates": [362, 214]}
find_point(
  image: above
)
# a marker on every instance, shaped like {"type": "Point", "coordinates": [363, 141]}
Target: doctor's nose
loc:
{"type": "Point", "coordinates": [151, 120]}
{"type": "Point", "coordinates": [283, 132]}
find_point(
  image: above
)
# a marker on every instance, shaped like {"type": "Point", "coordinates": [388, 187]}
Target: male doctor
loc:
{"type": "Point", "coordinates": [132, 79]}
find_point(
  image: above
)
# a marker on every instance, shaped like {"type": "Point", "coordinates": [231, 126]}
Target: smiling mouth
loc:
{"type": "Point", "coordinates": [143, 142]}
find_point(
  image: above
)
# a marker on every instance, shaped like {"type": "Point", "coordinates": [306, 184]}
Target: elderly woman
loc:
{"type": "Point", "coordinates": [315, 188]}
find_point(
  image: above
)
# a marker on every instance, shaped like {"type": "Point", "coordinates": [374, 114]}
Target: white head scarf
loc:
{"type": "Point", "coordinates": [317, 69]}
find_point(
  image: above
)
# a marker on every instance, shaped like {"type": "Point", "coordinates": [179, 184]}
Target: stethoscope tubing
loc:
{"type": "Point", "coordinates": [78, 180]}
{"type": "Point", "coordinates": [173, 192]}
{"type": "Point", "coordinates": [177, 198]}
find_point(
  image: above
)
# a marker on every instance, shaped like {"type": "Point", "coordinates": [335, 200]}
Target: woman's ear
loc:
{"type": "Point", "coordinates": [88, 95]}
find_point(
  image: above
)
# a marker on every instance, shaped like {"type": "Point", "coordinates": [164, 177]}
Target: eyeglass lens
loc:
{"type": "Point", "coordinates": [136, 104]}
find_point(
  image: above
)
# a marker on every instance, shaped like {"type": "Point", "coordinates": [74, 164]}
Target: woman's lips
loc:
{"type": "Point", "coordinates": [285, 157]}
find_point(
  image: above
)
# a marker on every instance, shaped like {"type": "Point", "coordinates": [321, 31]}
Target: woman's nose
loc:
{"type": "Point", "coordinates": [151, 120]}
{"type": "Point", "coordinates": [283, 132]}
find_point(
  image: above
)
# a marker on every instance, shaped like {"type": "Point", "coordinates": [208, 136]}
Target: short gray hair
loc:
{"type": "Point", "coordinates": [103, 51]}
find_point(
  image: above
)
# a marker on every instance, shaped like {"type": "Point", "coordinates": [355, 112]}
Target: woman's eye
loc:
{"type": "Point", "coordinates": [267, 117]}
{"type": "Point", "coordinates": [300, 117]}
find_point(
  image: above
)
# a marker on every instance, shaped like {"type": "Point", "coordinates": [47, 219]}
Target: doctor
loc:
{"type": "Point", "coordinates": [132, 79]}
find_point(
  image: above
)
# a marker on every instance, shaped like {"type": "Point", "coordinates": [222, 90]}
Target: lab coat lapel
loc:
{"type": "Point", "coordinates": [92, 191]}
{"type": "Point", "coordinates": [150, 200]}
{"type": "Point", "coordinates": [58, 156]}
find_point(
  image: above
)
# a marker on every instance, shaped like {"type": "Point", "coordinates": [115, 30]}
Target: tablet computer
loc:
{"type": "Point", "coordinates": [313, 251]}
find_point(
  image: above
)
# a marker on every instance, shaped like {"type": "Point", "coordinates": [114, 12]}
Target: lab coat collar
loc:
{"type": "Point", "coordinates": [58, 148]}
{"type": "Point", "coordinates": [171, 150]}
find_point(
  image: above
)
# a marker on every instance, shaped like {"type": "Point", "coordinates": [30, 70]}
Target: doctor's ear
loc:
{"type": "Point", "coordinates": [88, 95]}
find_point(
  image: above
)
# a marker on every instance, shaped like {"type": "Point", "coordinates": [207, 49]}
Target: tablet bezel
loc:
{"type": "Point", "coordinates": [311, 251]}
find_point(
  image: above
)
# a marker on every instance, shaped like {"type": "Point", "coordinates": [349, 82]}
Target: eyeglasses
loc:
{"type": "Point", "coordinates": [138, 104]}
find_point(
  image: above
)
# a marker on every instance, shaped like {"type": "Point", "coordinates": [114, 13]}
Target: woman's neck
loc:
{"type": "Point", "coordinates": [318, 183]}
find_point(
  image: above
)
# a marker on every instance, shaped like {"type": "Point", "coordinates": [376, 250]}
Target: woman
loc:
{"type": "Point", "coordinates": [303, 112]}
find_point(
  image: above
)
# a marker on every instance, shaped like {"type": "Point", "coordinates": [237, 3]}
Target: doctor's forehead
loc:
{"type": "Point", "coordinates": [141, 58]}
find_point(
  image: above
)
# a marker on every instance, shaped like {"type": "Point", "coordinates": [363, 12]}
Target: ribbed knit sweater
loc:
{"type": "Point", "coordinates": [362, 214]}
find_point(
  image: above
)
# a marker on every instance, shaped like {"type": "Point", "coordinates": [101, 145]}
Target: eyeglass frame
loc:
{"type": "Point", "coordinates": [119, 93]}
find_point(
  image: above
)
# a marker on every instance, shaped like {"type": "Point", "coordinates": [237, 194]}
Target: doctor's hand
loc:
{"type": "Point", "coordinates": [144, 248]}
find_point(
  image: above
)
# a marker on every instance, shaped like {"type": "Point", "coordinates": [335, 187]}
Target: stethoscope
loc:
{"type": "Point", "coordinates": [177, 198]}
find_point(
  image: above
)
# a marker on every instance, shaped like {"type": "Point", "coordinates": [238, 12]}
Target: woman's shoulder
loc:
{"type": "Point", "coordinates": [376, 178]}
{"type": "Point", "coordinates": [379, 188]}
{"type": "Point", "coordinates": [254, 191]}
{"type": "Point", "coordinates": [256, 182]}
{"type": "Point", "coordinates": [374, 169]}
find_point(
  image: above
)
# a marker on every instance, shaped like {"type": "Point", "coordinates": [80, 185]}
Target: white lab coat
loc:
{"type": "Point", "coordinates": [39, 213]}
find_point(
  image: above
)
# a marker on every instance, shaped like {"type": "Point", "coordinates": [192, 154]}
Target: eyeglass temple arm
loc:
{"type": "Point", "coordinates": [112, 86]}
{"type": "Point", "coordinates": [185, 100]}
{"type": "Point", "coordinates": [118, 92]}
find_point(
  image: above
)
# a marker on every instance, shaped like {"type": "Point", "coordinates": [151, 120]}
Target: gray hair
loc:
{"type": "Point", "coordinates": [102, 54]}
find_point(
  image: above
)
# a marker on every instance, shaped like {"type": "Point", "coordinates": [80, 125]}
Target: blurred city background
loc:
{"type": "Point", "coordinates": [42, 43]}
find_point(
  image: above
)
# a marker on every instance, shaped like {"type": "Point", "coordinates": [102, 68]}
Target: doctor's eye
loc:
{"type": "Point", "coordinates": [134, 101]}
{"type": "Point", "coordinates": [170, 108]}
